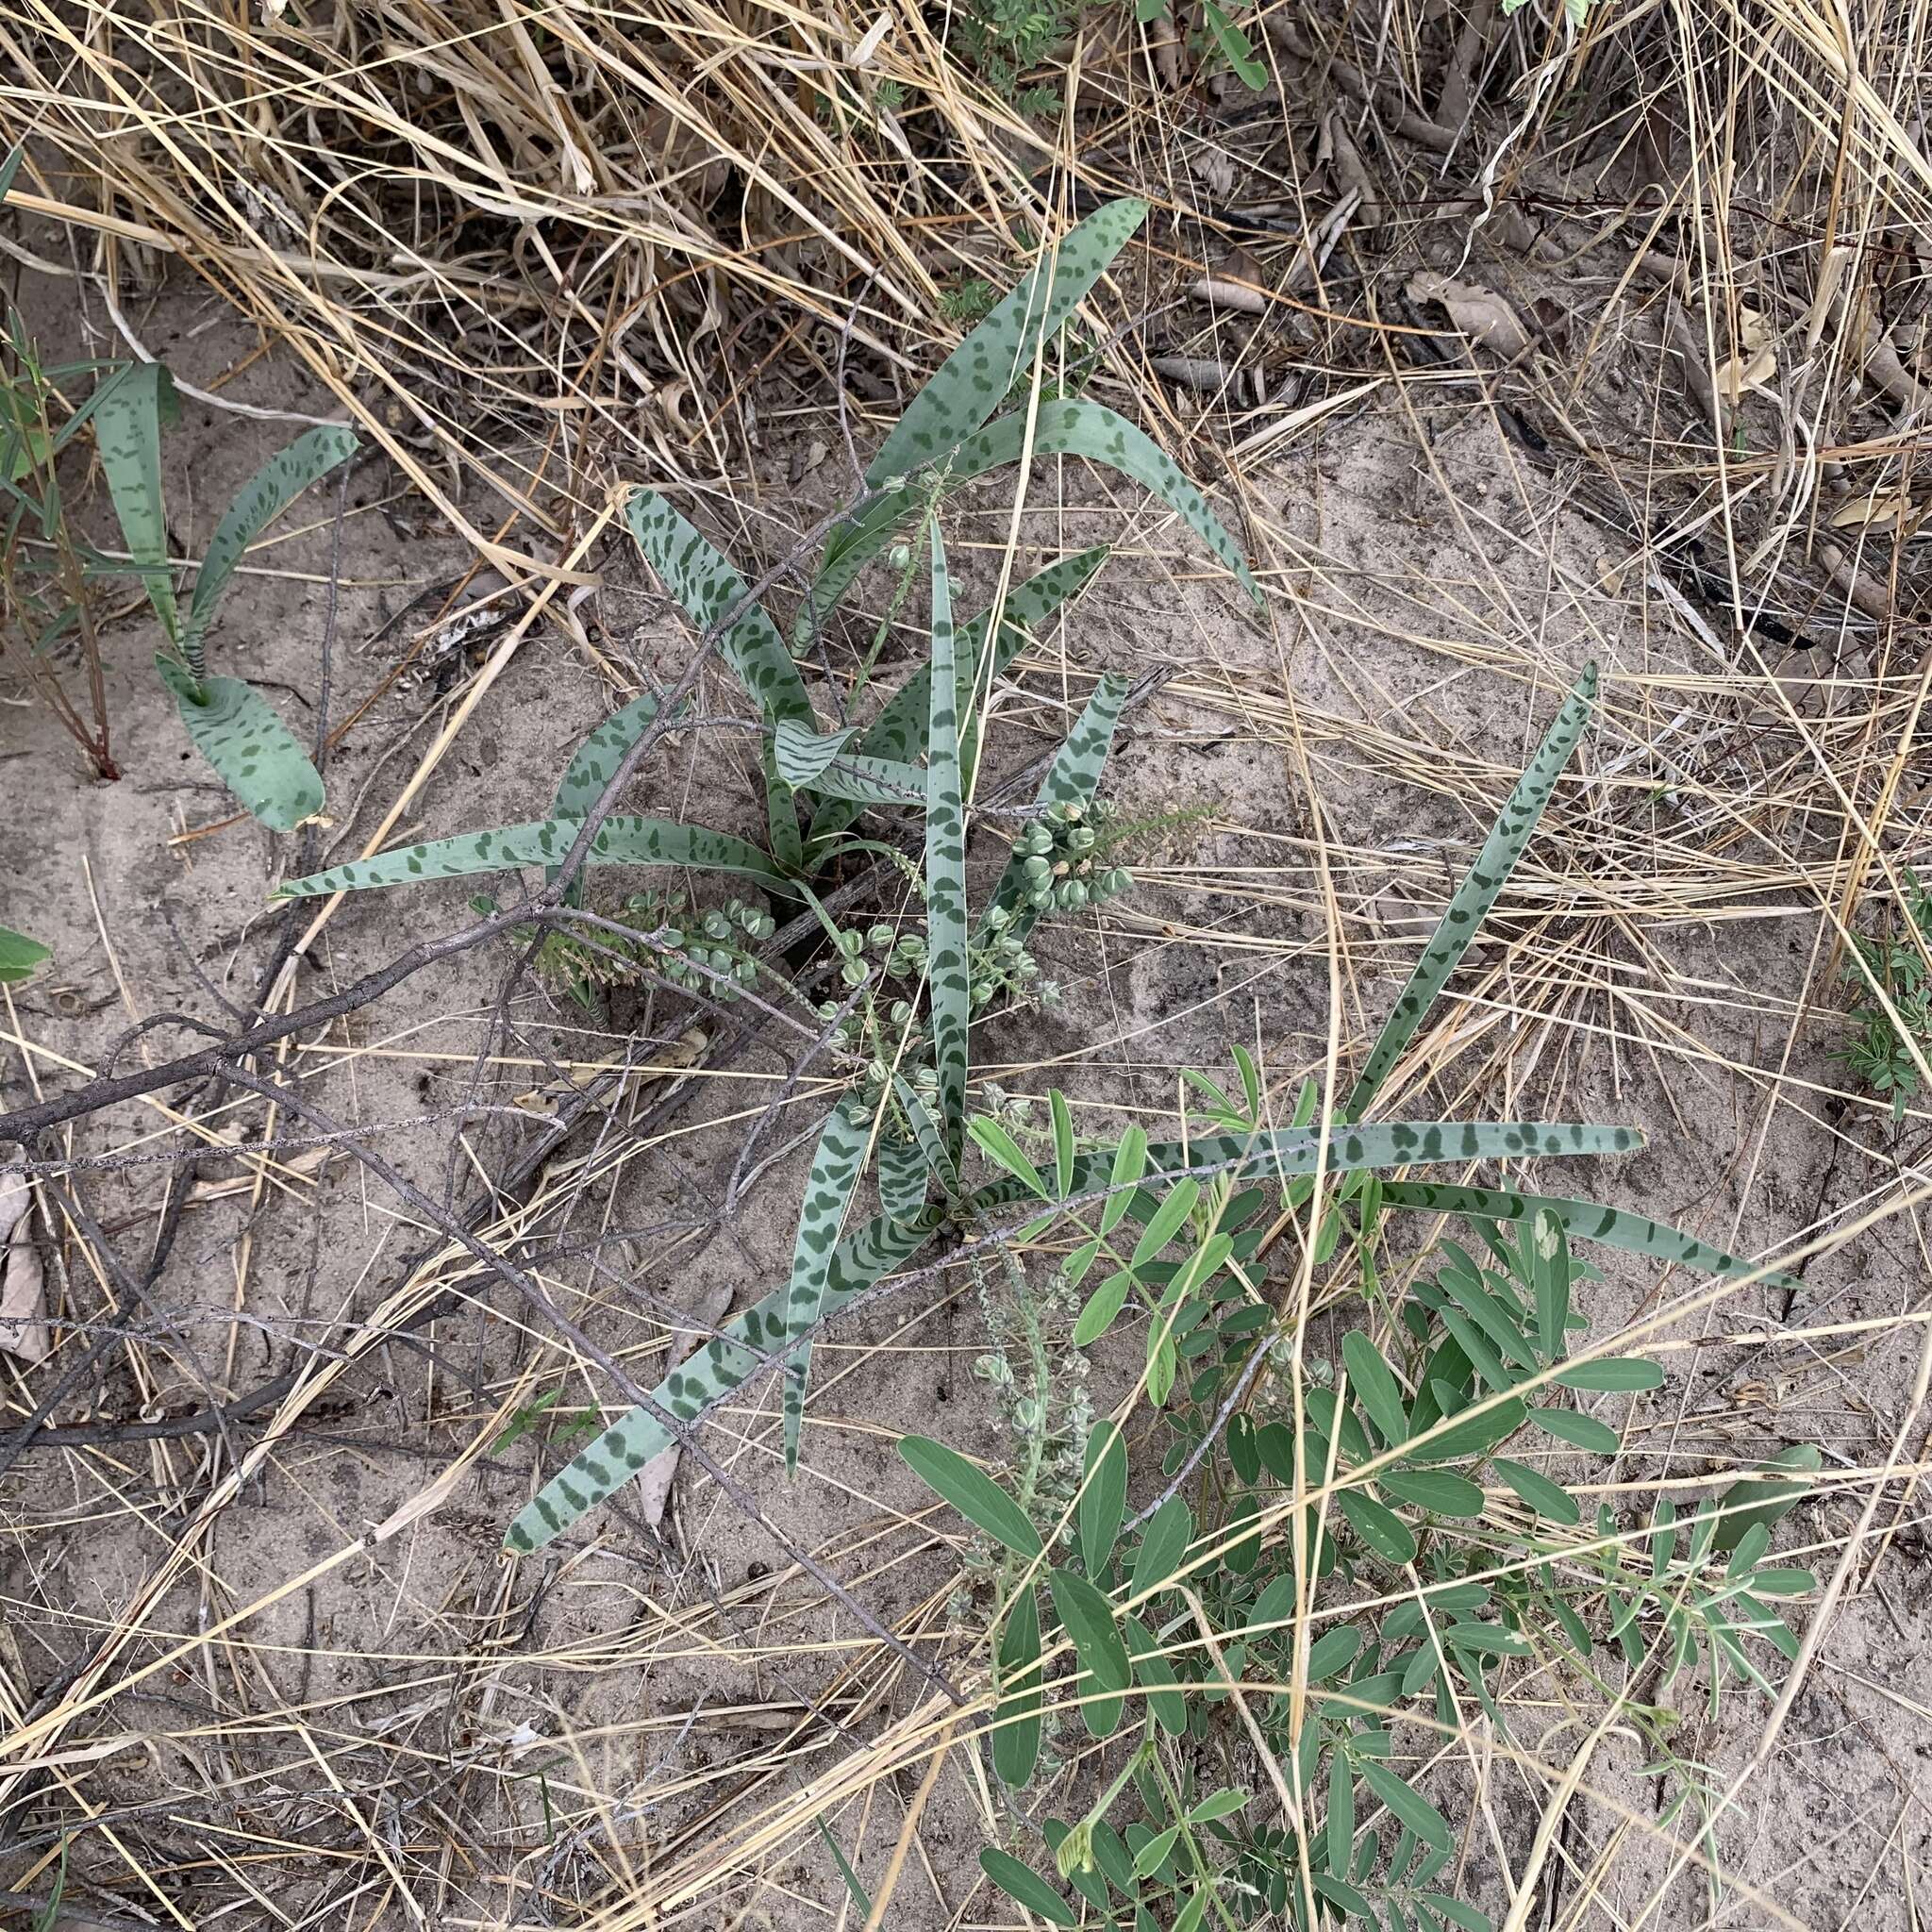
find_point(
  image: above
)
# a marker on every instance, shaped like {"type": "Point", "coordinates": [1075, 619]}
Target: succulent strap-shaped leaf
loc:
{"type": "Point", "coordinates": [828, 1188]}
{"type": "Point", "coordinates": [819, 761]}
{"type": "Point", "coordinates": [1589, 1220]}
{"type": "Point", "coordinates": [621, 840]}
{"type": "Point", "coordinates": [593, 766]}
{"type": "Point", "coordinates": [1477, 893]}
{"type": "Point", "coordinates": [253, 752]}
{"type": "Point", "coordinates": [1072, 779]}
{"type": "Point", "coordinates": [975, 378]}
{"type": "Point", "coordinates": [899, 731]}
{"type": "Point", "coordinates": [949, 985]}
{"type": "Point", "coordinates": [1060, 428]}
{"type": "Point", "coordinates": [741, 1350]}
{"type": "Point", "coordinates": [902, 1176]}
{"type": "Point", "coordinates": [256, 505]}
{"type": "Point", "coordinates": [1288, 1152]}
{"type": "Point", "coordinates": [705, 585]}
{"type": "Point", "coordinates": [129, 411]}
{"type": "Point", "coordinates": [931, 1145]}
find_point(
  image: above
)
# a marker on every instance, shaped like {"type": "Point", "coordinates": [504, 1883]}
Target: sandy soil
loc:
{"type": "Point", "coordinates": [403, 1728]}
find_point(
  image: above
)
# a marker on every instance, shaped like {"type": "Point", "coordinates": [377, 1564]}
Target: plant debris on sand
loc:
{"type": "Point", "coordinates": [1258, 1257]}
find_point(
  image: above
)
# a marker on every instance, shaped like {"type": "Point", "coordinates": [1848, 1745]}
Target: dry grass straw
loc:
{"type": "Point", "coordinates": [530, 249]}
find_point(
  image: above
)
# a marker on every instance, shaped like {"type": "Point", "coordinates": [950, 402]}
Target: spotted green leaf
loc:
{"type": "Point", "coordinates": [1072, 779]}
{"type": "Point", "coordinates": [254, 753]}
{"type": "Point", "coordinates": [620, 840]}
{"type": "Point", "coordinates": [750, 1343]}
{"type": "Point", "coordinates": [1016, 1669]}
{"type": "Point", "coordinates": [971, 1492]}
{"type": "Point", "coordinates": [707, 586]}
{"type": "Point", "coordinates": [975, 378]}
{"type": "Point", "coordinates": [820, 1217]}
{"type": "Point", "coordinates": [1059, 429]}
{"type": "Point", "coordinates": [593, 766]}
{"type": "Point", "coordinates": [902, 1176]}
{"type": "Point", "coordinates": [931, 1142]}
{"type": "Point", "coordinates": [19, 955]}
{"type": "Point", "coordinates": [129, 414]}
{"type": "Point", "coordinates": [1102, 1651]}
{"type": "Point", "coordinates": [899, 733]}
{"type": "Point", "coordinates": [256, 505]}
{"type": "Point", "coordinates": [949, 986]}
{"type": "Point", "coordinates": [819, 761]}
{"type": "Point", "coordinates": [1284, 1152]}
{"type": "Point", "coordinates": [1589, 1220]}
{"type": "Point", "coordinates": [1476, 893]}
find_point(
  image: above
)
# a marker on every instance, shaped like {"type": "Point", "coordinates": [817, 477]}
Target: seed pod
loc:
{"type": "Point", "coordinates": [1076, 895]}
{"type": "Point", "coordinates": [1038, 868]}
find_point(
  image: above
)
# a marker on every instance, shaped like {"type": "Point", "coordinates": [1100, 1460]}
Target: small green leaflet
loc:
{"type": "Point", "coordinates": [1476, 894]}
{"type": "Point", "coordinates": [1580, 1431]}
{"type": "Point", "coordinates": [1165, 1699]}
{"type": "Point", "coordinates": [1761, 1501]}
{"type": "Point", "coordinates": [1089, 1620]}
{"type": "Point", "coordinates": [1017, 1721]}
{"type": "Point", "coordinates": [1102, 1307]}
{"type": "Point", "coordinates": [1333, 1651]}
{"type": "Point", "coordinates": [19, 955]}
{"type": "Point", "coordinates": [256, 505]}
{"type": "Point", "coordinates": [1625, 1374]}
{"type": "Point", "coordinates": [1375, 1387]}
{"type": "Point", "coordinates": [1022, 1883]}
{"type": "Point", "coordinates": [1235, 47]}
{"type": "Point", "coordinates": [820, 1218]}
{"type": "Point", "coordinates": [620, 840]}
{"type": "Point", "coordinates": [1548, 1499]}
{"type": "Point", "coordinates": [255, 755]}
{"type": "Point", "coordinates": [999, 1146]}
{"type": "Point", "coordinates": [975, 379]}
{"type": "Point", "coordinates": [1129, 1164]}
{"type": "Point", "coordinates": [1435, 1490]}
{"type": "Point", "coordinates": [1062, 1144]}
{"type": "Point", "coordinates": [1408, 1805]}
{"type": "Point", "coordinates": [1379, 1527]}
{"type": "Point", "coordinates": [1103, 1495]}
{"type": "Point", "coordinates": [971, 1492]}
{"type": "Point", "coordinates": [1163, 1546]}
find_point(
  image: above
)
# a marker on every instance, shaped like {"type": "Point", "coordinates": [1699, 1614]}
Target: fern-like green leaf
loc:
{"type": "Point", "coordinates": [620, 840]}
{"type": "Point", "coordinates": [1477, 893]}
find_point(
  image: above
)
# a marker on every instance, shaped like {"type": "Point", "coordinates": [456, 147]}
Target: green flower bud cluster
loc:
{"type": "Point", "coordinates": [1059, 854]}
{"type": "Point", "coordinates": [703, 951]}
